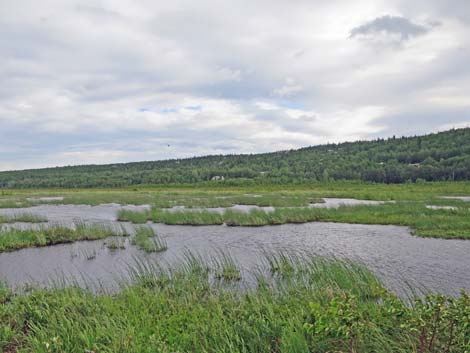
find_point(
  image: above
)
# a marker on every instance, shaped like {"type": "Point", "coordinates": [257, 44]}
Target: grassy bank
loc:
{"type": "Point", "coordinates": [14, 239]}
{"type": "Point", "coordinates": [409, 209]}
{"type": "Point", "coordinates": [424, 222]}
{"type": "Point", "coordinates": [310, 306]}
{"type": "Point", "coordinates": [162, 198]}
{"type": "Point", "coordinates": [223, 196]}
{"type": "Point", "coordinates": [22, 217]}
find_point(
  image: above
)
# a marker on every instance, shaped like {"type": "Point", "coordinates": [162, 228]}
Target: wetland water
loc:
{"type": "Point", "coordinates": [397, 257]}
{"type": "Point", "coordinates": [328, 203]}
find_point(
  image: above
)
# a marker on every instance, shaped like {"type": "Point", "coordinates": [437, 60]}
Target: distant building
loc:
{"type": "Point", "coordinates": [416, 165]}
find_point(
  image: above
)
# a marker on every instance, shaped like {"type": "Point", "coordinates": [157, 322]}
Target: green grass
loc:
{"type": "Point", "coordinates": [147, 240]}
{"type": "Point", "coordinates": [409, 209]}
{"type": "Point", "coordinates": [14, 239]}
{"type": "Point", "coordinates": [161, 198]}
{"type": "Point", "coordinates": [115, 244]}
{"type": "Point", "coordinates": [22, 217]}
{"type": "Point", "coordinates": [414, 214]}
{"type": "Point", "coordinates": [185, 217]}
{"type": "Point", "coordinates": [320, 306]}
{"type": "Point", "coordinates": [223, 196]}
{"type": "Point", "coordinates": [133, 216]}
{"type": "Point", "coordinates": [424, 222]}
{"type": "Point", "coordinates": [225, 267]}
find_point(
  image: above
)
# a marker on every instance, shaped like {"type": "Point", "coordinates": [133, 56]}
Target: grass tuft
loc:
{"type": "Point", "coordinates": [115, 244]}
{"type": "Point", "coordinates": [147, 240]}
{"type": "Point", "coordinates": [225, 267]}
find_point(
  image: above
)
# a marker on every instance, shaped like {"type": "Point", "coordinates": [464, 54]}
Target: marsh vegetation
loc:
{"type": "Point", "coordinates": [425, 221]}
{"type": "Point", "coordinates": [14, 239]}
{"type": "Point", "coordinates": [22, 218]}
{"type": "Point", "coordinates": [309, 305]}
{"type": "Point", "coordinates": [422, 207]}
{"type": "Point", "coordinates": [147, 240]}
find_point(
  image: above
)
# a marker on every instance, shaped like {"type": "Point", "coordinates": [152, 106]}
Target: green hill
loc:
{"type": "Point", "coordinates": [433, 157]}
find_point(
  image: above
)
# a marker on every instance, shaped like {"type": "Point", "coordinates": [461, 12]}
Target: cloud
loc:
{"type": "Point", "coordinates": [108, 81]}
{"type": "Point", "coordinates": [288, 89]}
{"type": "Point", "coordinates": [392, 26]}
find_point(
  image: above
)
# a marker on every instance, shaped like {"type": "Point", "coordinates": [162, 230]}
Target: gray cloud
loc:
{"type": "Point", "coordinates": [454, 9]}
{"type": "Point", "coordinates": [394, 25]}
{"type": "Point", "coordinates": [422, 119]}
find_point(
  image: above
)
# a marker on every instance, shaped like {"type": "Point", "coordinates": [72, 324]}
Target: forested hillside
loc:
{"type": "Point", "coordinates": [434, 157]}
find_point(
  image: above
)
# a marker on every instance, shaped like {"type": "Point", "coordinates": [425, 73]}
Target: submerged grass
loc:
{"type": "Point", "coordinates": [225, 267]}
{"type": "Point", "coordinates": [14, 239]}
{"type": "Point", "coordinates": [115, 244]}
{"type": "Point", "coordinates": [147, 240]}
{"type": "Point", "coordinates": [321, 306]}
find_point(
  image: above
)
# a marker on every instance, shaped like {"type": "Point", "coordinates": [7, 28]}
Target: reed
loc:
{"type": "Point", "coordinates": [321, 306]}
{"type": "Point", "coordinates": [147, 240]}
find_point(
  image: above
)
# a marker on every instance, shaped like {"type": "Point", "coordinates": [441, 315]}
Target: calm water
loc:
{"type": "Point", "coordinates": [398, 258]}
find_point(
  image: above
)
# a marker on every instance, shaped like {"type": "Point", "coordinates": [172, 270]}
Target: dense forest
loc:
{"type": "Point", "coordinates": [433, 157]}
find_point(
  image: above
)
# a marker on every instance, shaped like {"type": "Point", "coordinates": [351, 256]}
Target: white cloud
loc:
{"type": "Point", "coordinates": [106, 81]}
{"type": "Point", "coordinates": [288, 89]}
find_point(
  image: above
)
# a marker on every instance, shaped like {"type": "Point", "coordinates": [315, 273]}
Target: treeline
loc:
{"type": "Point", "coordinates": [435, 157]}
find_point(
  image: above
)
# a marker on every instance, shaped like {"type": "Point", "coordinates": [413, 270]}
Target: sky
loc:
{"type": "Point", "coordinates": [94, 82]}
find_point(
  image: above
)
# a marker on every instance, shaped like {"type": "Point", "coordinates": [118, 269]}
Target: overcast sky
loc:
{"type": "Point", "coordinates": [126, 80]}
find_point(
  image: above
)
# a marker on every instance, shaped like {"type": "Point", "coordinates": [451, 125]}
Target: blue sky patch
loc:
{"type": "Point", "coordinates": [194, 107]}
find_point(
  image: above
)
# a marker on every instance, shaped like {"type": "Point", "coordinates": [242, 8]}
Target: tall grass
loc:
{"type": "Point", "coordinates": [5, 293]}
{"type": "Point", "coordinates": [23, 217]}
{"type": "Point", "coordinates": [147, 240]}
{"type": "Point", "coordinates": [186, 217]}
{"type": "Point", "coordinates": [14, 239]}
{"type": "Point", "coordinates": [136, 217]}
{"type": "Point", "coordinates": [225, 267]}
{"type": "Point", "coordinates": [322, 306]}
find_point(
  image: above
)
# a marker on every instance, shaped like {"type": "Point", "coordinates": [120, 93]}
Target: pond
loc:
{"type": "Point", "coordinates": [401, 260]}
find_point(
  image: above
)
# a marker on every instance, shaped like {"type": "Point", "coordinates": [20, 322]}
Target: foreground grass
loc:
{"type": "Point", "coordinates": [14, 239]}
{"type": "Point", "coordinates": [424, 222]}
{"type": "Point", "coordinates": [312, 306]}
